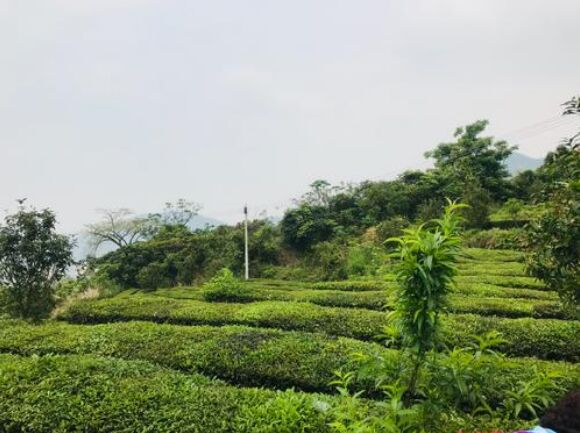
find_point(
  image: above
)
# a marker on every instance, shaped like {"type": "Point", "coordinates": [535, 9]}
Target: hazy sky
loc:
{"type": "Point", "coordinates": [130, 103]}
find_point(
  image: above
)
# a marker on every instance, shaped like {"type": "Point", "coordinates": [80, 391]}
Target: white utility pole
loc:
{"type": "Point", "coordinates": [247, 261]}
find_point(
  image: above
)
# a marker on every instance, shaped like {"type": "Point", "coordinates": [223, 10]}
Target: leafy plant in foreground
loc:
{"type": "Point", "coordinates": [428, 255]}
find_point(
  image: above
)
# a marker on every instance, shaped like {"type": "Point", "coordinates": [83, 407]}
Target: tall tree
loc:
{"type": "Point", "coordinates": [553, 240]}
{"type": "Point", "coordinates": [473, 158]}
{"type": "Point", "coordinates": [33, 257]}
{"type": "Point", "coordinates": [180, 212]}
{"type": "Point", "coordinates": [121, 228]}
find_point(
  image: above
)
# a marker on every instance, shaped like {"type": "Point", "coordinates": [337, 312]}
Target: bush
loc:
{"type": "Point", "coordinates": [329, 261]}
{"type": "Point", "coordinates": [364, 259]}
{"type": "Point", "coordinates": [154, 275]}
{"type": "Point", "coordinates": [495, 238]}
{"type": "Point", "coordinates": [61, 393]}
{"type": "Point", "coordinates": [482, 300]}
{"type": "Point", "coordinates": [240, 355]}
{"type": "Point", "coordinates": [540, 338]}
{"type": "Point", "coordinates": [224, 287]}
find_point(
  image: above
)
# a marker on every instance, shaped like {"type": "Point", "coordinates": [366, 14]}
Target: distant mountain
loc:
{"type": "Point", "coordinates": [83, 248]}
{"type": "Point", "coordinates": [201, 222]}
{"type": "Point", "coordinates": [518, 162]}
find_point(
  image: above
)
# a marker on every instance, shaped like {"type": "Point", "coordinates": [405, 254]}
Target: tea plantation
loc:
{"type": "Point", "coordinates": [170, 361]}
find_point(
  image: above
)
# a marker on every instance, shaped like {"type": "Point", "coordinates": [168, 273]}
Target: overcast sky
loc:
{"type": "Point", "coordinates": [130, 103]}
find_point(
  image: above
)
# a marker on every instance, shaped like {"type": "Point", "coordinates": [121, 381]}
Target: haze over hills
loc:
{"type": "Point", "coordinates": [518, 162]}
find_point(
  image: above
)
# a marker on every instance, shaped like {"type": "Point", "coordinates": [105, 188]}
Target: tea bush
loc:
{"type": "Point", "coordinates": [541, 338]}
{"type": "Point", "coordinates": [504, 305]}
{"type": "Point", "coordinates": [64, 393]}
{"type": "Point", "coordinates": [224, 287]}
{"type": "Point", "coordinates": [239, 355]}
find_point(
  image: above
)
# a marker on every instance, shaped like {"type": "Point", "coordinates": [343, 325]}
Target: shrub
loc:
{"type": "Point", "coordinates": [391, 228]}
{"type": "Point", "coordinates": [224, 287]}
{"type": "Point", "coordinates": [482, 300]}
{"type": "Point", "coordinates": [61, 393]}
{"type": "Point", "coordinates": [240, 355]}
{"type": "Point", "coordinates": [329, 261]}
{"type": "Point", "coordinates": [540, 338]}
{"type": "Point", "coordinates": [364, 259]}
{"type": "Point", "coordinates": [495, 238]}
{"type": "Point", "coordinates": [154, 275]}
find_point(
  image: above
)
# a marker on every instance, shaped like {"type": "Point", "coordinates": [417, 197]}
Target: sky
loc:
{"type": "Point", "coordinates": [132, 103]}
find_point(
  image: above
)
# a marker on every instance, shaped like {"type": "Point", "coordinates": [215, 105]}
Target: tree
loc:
{"type": "Point", "coordinates": [427, 256]}
{"type": "Point", "coordinates": [474, 158]}
{"type": "Point", "coordinates": [553, 240]}
{"type": "Point", "coordinates": [121, 228]}
{"type": "Point", "coordinates": [180, 212]}
{"type": "Point", "coordinates": [33, 258]}
{"type": "Point", "coordinates": [320, 193]}
{"type": "Point", "coordinates": [306, 225]}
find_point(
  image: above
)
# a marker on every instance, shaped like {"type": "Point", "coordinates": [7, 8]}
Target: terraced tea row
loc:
{"type": "Point", "coordinates": [379, 300]}
{"type": "Point", "coordinates": [91, 394]}
{"type": "Point", "coordinates": [541, 338]}
{"type": "Point", "coordinates": [242, 355]}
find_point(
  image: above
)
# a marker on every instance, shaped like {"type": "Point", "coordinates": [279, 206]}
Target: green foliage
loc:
{"type": "Point", "coordinates": [526, 185]}
{"type": "Point", "coordinates": [495, 238]}
{"type": "Point", "coordinates": [61, 393]}
{"type": "Point", "coordinates": [478, 201]}
{"type": "Point", "coordinates": [428, 256]}
{"type": "Point", "coordinates": [481, 299]}
{"type": "Point", "coordinates": [87, 280]}
{"type": "Point", "coordinates": [553, 240]}
{"type": "Point", "coordinates": [530, 397]}
{"type": "Point", "coordinates": [224, 287]}
{"type": "Point", "coordinates": [306, 226]}
{"type": "Point", "coordinates": [391, 227]}
{"type": "Point", "coordinates": [33, 258]}
{"type": "Point", "coordinates": [513, 207]}
{"type": "Point", "coordinates": [178, 257]}
{"type": "Point", "coordinates": [474, 159]}
{"type": "Point", "coordinates": [256, 357]}
{"type": "Point", "coordinates": [328, 261]}
{"type": "Point", "coordinates": [154, 275]}
{"type": "Point", "coordinates": [540, 338]}
{"type": "Point", "coordinates": [365, 259]}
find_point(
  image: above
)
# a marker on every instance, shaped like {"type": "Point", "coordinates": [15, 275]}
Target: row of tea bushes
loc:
{"type": "Point", "coordinates": [378, 300]}
{"type": "Point", "coordinates": [241, 355]}
{"type": "Point", "coordinates": [492, 268]}
{"type": "Point", "coordinates": [488, 255]}
{"type": "Point", "coordinates": [61, 394]}
{"type": "Point", "coordinates": [71, 394]}
{"type": "Point", "coordinates": [540, 338]}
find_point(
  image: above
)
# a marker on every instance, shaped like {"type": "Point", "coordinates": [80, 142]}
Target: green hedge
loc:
{"type": "Point", "coordinates": [503, 280]}
{"type": "Point", "coordinates": [239, 355]}
{"type": "Point", "coordinates": [376, 300]}
{"type": "Point", "coordinates": [70, 394]}
{"type": "Point", "coordinates": [82, 393]}
{"type": "Point", "coordinates": [465, 284]}
{"type": "Point", "coordinates": [487, 255]}
{"type": "Point", "coordinates": [492, 268]}
{"type": "Point", "coordinates": [544, 338]}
